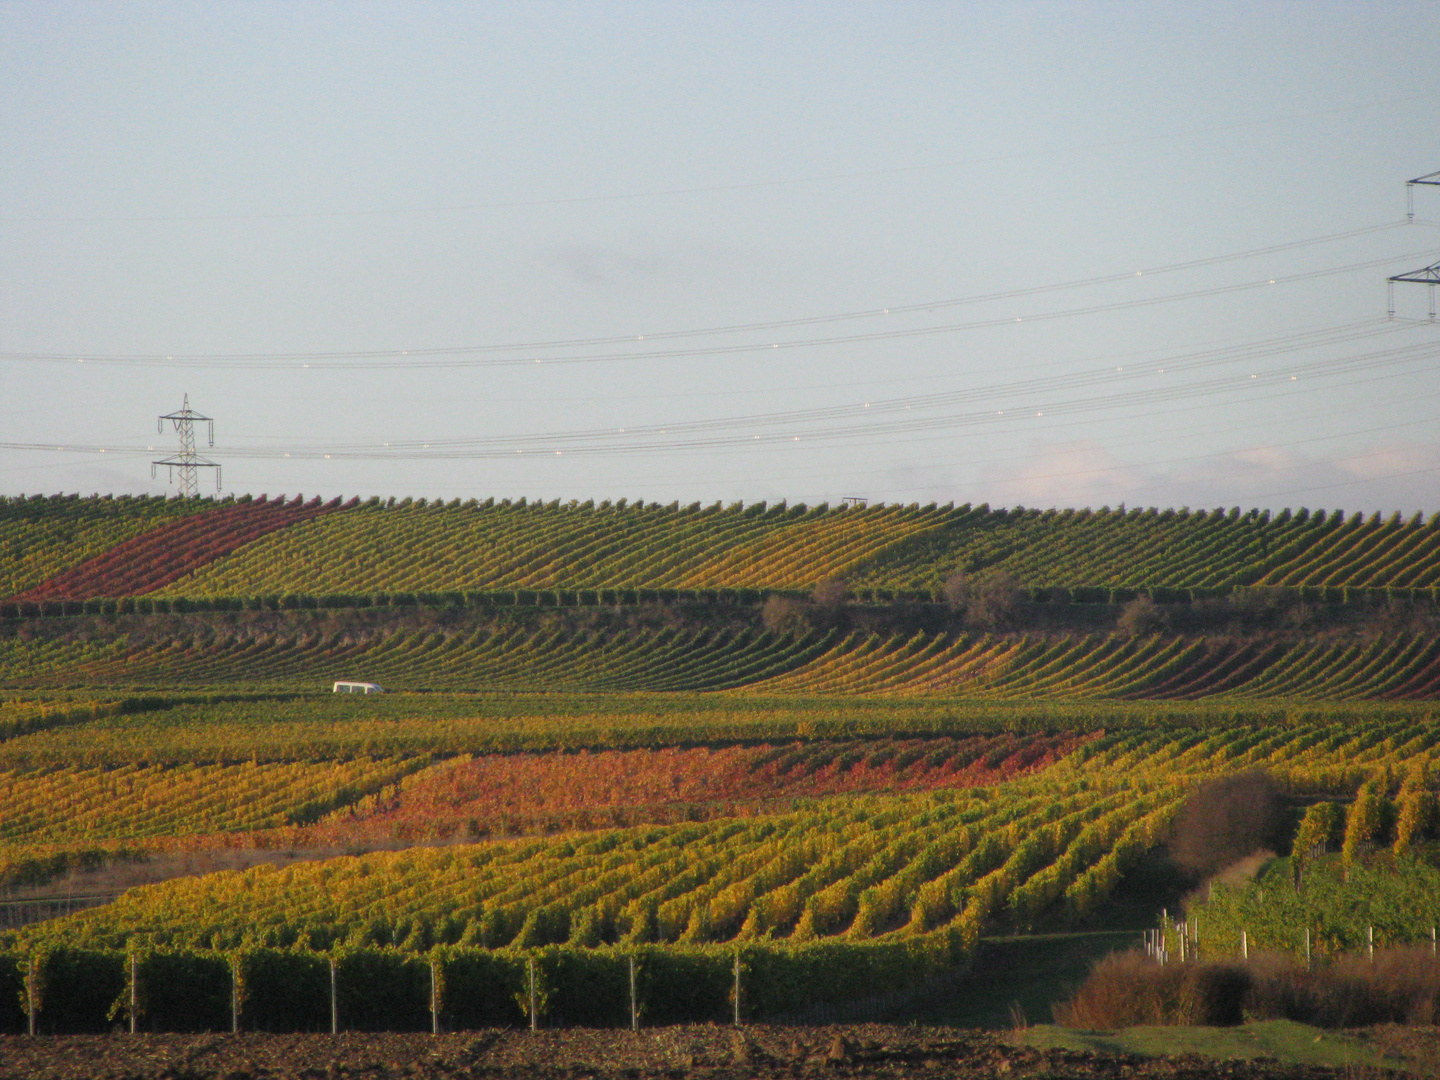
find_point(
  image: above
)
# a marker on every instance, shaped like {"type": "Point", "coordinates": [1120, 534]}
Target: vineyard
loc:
{"type": "Point", "coordinates": [771, 757]}
{"type": "Point", "coordinates": [1344, 909]}
{"type": "Point", "coordinates": [40, 538]}
{"type": "Point", "coordinates": [78, 549]}
{"type": "Point", "coordinates": [155, 558]}
{"type": "Point", "coordinates": [896, 837]}
{"type": "Point", "coordinates": [980, 666]}
{"type": "Point", "coordinates": [903, 866]}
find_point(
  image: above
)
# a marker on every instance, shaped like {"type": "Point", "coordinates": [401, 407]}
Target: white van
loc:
{"type": "Point", "coordinates": [358, 688]}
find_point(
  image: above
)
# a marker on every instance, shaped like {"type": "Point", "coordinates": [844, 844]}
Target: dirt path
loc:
{"type": "Point", "coordinates": [682, 1053]}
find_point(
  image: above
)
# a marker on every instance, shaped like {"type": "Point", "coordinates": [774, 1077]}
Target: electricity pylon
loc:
{"type": "Point", "coordinates": [187, 461]}
{"type": "Point", "coordinates": [1429, 178]}
{"type": "Point", "coordinates": [1427, 275]}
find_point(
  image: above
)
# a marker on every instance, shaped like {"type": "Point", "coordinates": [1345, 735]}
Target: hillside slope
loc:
{"type": "Point", "coordinates": [82, 549]}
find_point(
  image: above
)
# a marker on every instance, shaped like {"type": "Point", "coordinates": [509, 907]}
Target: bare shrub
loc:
{"type": "Point", "coordinates": [1401, 986]}
{"type": "Point", "coordinates": [1129, 989]}
{"type": "Point", "coordinates": [956, 590]}
{"type": "Point", "coordinates": [1141, 616]}
{"type": "Point", "coordinates": [783, 614]}
{"type": "Point", "coordinates": [994, 601]}
{"type": "Point", "coordinates": [1225, 820]}
{"type": "Point", "coordinates": [829, 593]}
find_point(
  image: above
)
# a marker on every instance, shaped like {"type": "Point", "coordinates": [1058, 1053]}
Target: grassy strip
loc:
{"type": "Point", "coordinates": [1284, 1040]}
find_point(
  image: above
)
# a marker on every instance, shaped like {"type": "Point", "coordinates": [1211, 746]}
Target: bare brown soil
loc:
{"type": "Point", "coordinates": [685, 1053]}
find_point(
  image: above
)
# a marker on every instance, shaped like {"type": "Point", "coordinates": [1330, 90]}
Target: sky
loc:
{"type": "Point", "coordinates": [1034, 254]}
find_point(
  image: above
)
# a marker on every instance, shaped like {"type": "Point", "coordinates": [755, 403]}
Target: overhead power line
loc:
{"type": "Point", "coordinates": [702, 436]}
{"type": "Point", "coordinates": [998, 392]}
{"type": "Point", "coordinates": [428, 358]}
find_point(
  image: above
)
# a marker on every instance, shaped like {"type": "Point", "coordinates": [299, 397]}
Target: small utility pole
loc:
{"type": "Point", "coordinates": [334, 1002]}
{"type": "Point", "coordinates": [634, 1007]}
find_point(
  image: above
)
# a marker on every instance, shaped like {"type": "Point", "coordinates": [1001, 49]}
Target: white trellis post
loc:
{"type": "Point", "coordinates": [634, 1008]}
{"type": "Point", "coordinates": [334, 1002]}
{"type": "Point", "coordinates": [1244, 945]}
{"type": "Point", "coordinates": [534, 1017]}
{"type": "Point", "coordinates": [134, 992]}
{"type": "Point", "coordinates": [737, 987]}
{"type": "Point", "coordinates": [434, 1000]}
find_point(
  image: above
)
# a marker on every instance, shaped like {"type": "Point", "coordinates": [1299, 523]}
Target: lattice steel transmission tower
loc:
{"type": "Point", "coordinates": [1432, 179]}
{"type": "Point", "coordinates": [1426, 275]}
{"type": "Point", "coordinates": [187, 461]}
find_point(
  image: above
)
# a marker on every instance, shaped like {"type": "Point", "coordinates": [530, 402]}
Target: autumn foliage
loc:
{"type": "Point", "coordinates": [542, 792]}
{"type": "Point", "coordinates": [154, 559]}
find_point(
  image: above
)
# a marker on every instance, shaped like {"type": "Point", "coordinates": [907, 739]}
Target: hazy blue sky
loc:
{"type": "Point", "coordinates": [546, 190]}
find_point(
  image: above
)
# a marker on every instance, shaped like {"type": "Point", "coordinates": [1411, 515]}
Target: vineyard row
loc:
{"type": "Point", "coordinates": [893, 867]}
{"type": "Point", "coordinates": [64, 990]}
{"type": "Point", "coordinates": [1401, 666]}
{"type": "Point", "coordinates": [86, 549]}
{"type": "Point", "coordinates": [589, 598]}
